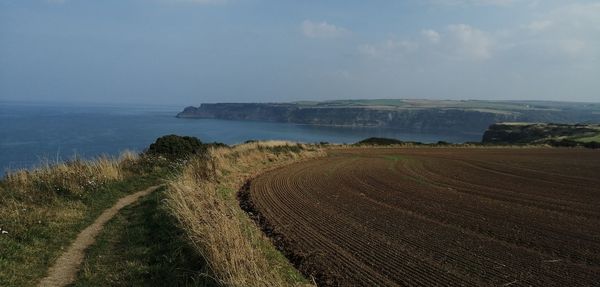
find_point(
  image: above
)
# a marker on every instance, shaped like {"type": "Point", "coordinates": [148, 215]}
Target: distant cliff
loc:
{"type": "Point", "coordinates": [413, 115]}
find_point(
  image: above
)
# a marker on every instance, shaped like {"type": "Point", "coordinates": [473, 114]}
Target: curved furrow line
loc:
{"type": "Point", "coordinates": [554, 183]}
{"type": "Point", "coordinates": [360, 247]}
{"type": "Point", "coordinates": [415, 243]}
{"type": "Point", "coordinates": [317, 240]}
{"type": "Point", "coordinates": [423, 217]}
{"type": "Point", "coordinates": [380, 261]}
{"type": "Point", "coordinates": [498, 194]}
{"type": "Point", "coordinates": [459, 259]}
{"type": "Point", "coordinates": [547, 231]}
{"type": "Point", "coordinates": [574, 179]}
{"type": "Point", "coordinates": [427, 274]}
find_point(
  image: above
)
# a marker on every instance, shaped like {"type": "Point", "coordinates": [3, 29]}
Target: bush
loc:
{"type": "Point", "coordinates": [563, 143]}
{"type": "Point", "coordinates": [593, 145]}
{"type": "Point", "coordinates": [385, 141]}
{"type": "Point", "coordinates": [379, 141]}
{"type": "Point", "coordinates": [572, 143]}
{"type": "Point", "coordinates": [176, 147]}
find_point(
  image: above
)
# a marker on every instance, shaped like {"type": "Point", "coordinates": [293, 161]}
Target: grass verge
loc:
{"type": "Point", "coordinates": [42, 211]}
{"type": "Point", "coordinates": [203, 199]}
{"type": "Point", "coordinates": [142, 246]}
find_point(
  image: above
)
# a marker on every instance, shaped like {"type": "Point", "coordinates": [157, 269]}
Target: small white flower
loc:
{"type": "Point", "coordinates": [4, 232]}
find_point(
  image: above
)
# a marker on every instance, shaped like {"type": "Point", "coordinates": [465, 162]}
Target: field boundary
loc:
{"type": "Point", "coordinates": [204, 200]}
{"type": "Point", "coordinates": [300, 261]}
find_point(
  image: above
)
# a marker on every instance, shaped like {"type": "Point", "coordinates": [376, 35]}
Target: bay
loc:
{"type": "Point", "coordinates": [31, 133]}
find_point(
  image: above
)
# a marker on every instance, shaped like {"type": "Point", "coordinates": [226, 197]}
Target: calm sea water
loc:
{"type": "Point", "coordinates": [30, 133]}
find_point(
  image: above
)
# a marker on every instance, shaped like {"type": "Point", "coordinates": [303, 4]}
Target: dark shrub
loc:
{"type": "Point", "coordinates": [563, 143]}
{"type": "Point", "coordinates": [174, 147]}
{"type": "Point", "coordinates": [379, 141]}
{"type": "Point", "coordinates": [592, 145]}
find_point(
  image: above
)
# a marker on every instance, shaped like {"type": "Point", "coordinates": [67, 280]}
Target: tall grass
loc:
{"type": "Point", "coordinates": [43, 209]}
{"type": "Point", "coordinates": [68, 178]}
{"type": "Point", "coordinates": [203, 200]}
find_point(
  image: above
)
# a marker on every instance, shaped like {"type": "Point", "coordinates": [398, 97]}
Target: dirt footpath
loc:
{"type": "Point", "coordinates": [64, 270]}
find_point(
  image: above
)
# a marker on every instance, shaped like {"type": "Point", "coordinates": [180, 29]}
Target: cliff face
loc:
{"type": "Point", "coordinates": [433, 119]}
{"type": "Point", "coordinates": [420, 119]}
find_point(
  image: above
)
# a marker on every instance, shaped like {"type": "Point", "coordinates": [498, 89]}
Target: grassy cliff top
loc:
{"type": "Point", "coordinates": [536, 133]}
{"type": "Point", "coordinates": [488, 106]}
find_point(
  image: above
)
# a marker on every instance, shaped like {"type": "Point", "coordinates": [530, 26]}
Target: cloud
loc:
{"type": "Point", "coordinates": [431, 35]}
{"type": "Point", "coordinates": [538, 26]}
{"type": "Point", "coordinates": [567, 32]}
{"type": "Point", "coordinates": [323, 29]}
{"type": "Point", "coordinates": [572, 47]}
{"type": "Point", "coordinates": [470, 42]}
{"type": "Point", "coordinates": [456, 42]}
{"type": "Point", "coordinates": [476, 2]}
{"type": "Point", "coordinates": [388, 49]}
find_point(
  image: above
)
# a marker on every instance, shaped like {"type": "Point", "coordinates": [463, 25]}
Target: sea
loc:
{"type": "Point", "coordinates": [34, 133]}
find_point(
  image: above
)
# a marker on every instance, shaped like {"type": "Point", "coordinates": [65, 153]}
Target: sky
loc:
{"type": "Point", "coordinates": [187, 52]}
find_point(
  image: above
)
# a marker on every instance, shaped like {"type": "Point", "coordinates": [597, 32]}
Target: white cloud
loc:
{"type": "Point", "coordinates": [572, 47]}
{"type": "Point", "coordinates": [566, 33]}
{"type": "Point", "coordinates": [457, 42]}
{"type": "Point", "coordinates": [388, 49]}
{"type": "Point", "coordinates": [431, 35]}
{"type": "Point", "coordinates": [470, 42]}
{"type": "Point", "coordinates": [538, 26]}
{"type": "Point", "coordinates": [323, 29]}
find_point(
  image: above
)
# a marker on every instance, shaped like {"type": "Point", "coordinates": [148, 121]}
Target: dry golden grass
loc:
{"type": "Point", "coordinates": [203, 200]}
{"type": "Point", "coordinates": [72, 177]}
{"type": "Point", "coordinates": [43, 209]}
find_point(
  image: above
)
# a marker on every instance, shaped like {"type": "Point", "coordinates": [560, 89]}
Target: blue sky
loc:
{"type": "Point", "coordinates": [185, 52]}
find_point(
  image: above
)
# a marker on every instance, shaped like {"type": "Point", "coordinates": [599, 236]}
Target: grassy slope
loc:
{"type": "Point", "coordinates": [38, 231]}
{"type": "Point", "coordinates": [496, 106]}
{"type": "Point", "coordinates": [142, 246]}
{"type": "Point", "coordinates": [595, 138]}
{"type": "Point", "coordinates": [204, 201]}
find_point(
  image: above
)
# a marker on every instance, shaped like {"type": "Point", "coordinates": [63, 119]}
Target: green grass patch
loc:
{"type": "Point", "coordinates": [143, 246]}
{"type": "Point", "coordinates": [226, 193]}
{"type": "Point", "coordinates": [39, 231]}
{"type": "Point", "coordinates": [595, 138]}
{"type": "Point", "coordinates": [395, 158]}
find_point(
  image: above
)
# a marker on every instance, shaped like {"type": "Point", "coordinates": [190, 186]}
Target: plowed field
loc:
{"type": "Point", "coordinates": [432, 216]}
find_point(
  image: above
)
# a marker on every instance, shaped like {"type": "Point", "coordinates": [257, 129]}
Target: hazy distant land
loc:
{"type": "Point", "coordinates": [468, 116]}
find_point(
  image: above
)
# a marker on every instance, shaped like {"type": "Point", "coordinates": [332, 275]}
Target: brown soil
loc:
{"type": "Point", "coordinates": [430, 217]}
{"type": "Point", "coordinates": [64, 270]}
